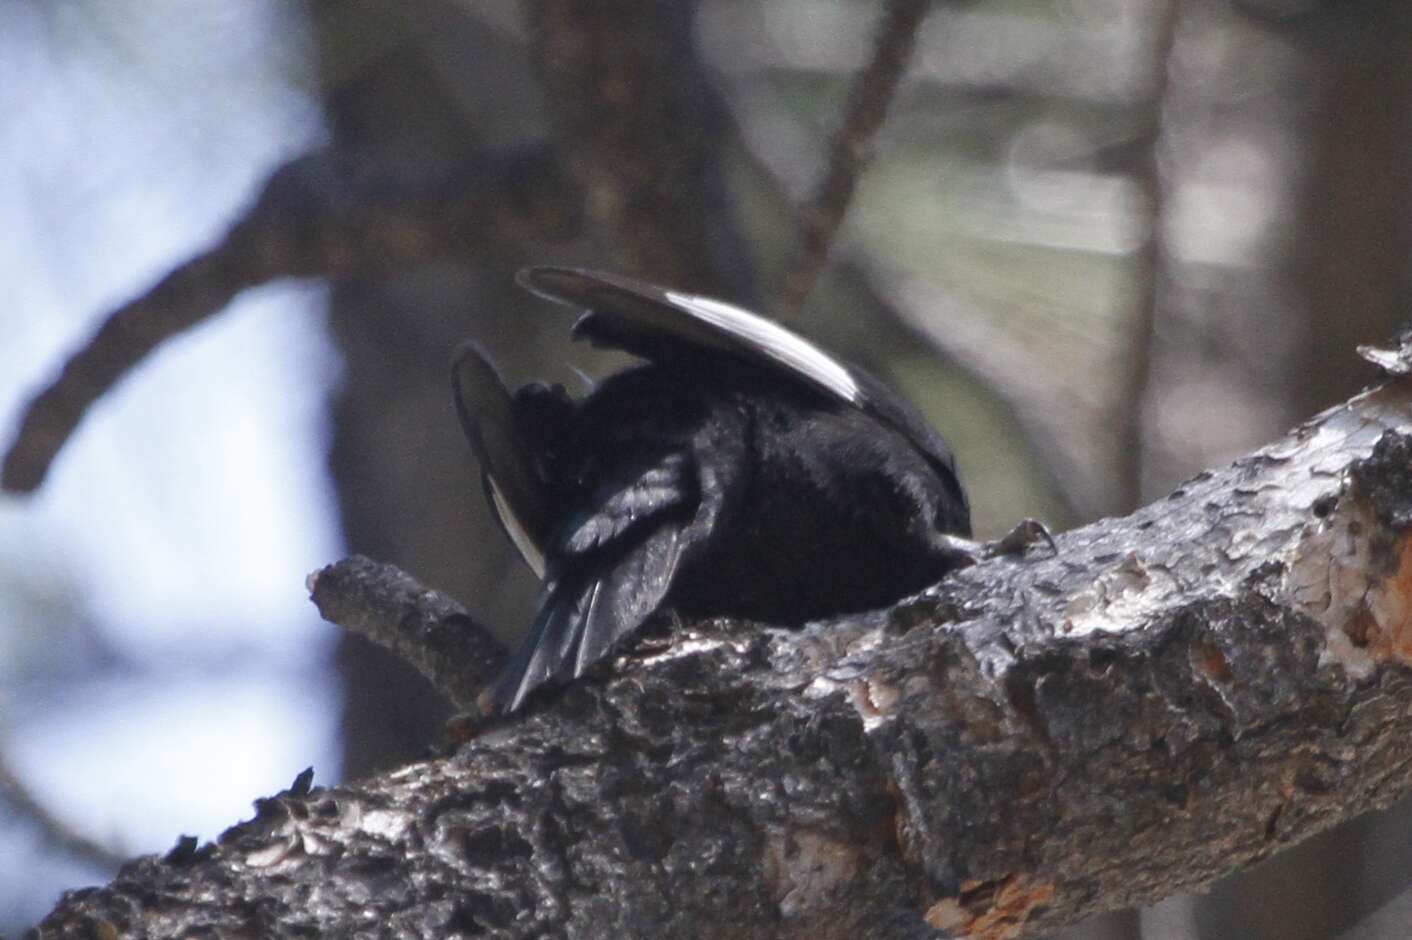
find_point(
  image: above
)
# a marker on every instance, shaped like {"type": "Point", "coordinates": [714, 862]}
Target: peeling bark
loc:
{"type": "Point", "coordinates": [1172, 696]}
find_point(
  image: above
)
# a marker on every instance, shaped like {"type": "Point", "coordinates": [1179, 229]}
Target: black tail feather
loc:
{"type": "Point", "coordinates": [585, 614]}
{"type": "Point", "coordinates": [629, 595]}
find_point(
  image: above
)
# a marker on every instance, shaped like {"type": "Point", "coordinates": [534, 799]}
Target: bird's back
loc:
{"type": "Point", "coordinates": [833, 514]}
{"type": "Point", "coordinates": [780, 504]}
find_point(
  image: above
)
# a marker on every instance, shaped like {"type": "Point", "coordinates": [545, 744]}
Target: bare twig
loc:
{"type": "Point", "coordinates": [56, 831]}
{"type": "Point", "coordinates": [851, 149]}
{"type": "Point", "coordinates": [321, 215]}
{"type": "Point", "coordinates": [426, 628]}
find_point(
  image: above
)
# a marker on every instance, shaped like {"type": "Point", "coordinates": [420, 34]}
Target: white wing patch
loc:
{"type": "Point", "coordinates": [776, 342]}
{"type": "Point", "coordinates": [528, 550]}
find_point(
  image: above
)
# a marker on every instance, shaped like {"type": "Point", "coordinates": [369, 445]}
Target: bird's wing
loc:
{"type": "Point", "coordinates": [517, 493]}
{"type": "Point", "coordinates": [609, 567]}
{"type": "Point", "coordinates": [654, 322]}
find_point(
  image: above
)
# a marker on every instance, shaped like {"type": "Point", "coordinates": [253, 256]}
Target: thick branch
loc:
{"type": "Point", "coordinates": [1176, 694]}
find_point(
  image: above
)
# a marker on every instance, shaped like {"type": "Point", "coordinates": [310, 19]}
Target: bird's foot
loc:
{"type": "Point", "coordinates": [963, 553]}
{"type": "Point", "coordinates": [1017, 541]}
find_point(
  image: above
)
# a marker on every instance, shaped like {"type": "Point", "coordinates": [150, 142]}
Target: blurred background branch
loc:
{"type": "Point", "coordinates": [61, 835]}
{"type": "Point", "coordinates": [850, 148]}
{"type": "Point", "coordinates": [327, 215]}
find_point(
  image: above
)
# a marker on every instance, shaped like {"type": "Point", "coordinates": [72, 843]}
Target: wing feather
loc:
{"type": "Point", "coordinates": [653, 322]}
{"type": "Point", "coordinates": [518, 495]}
{"type": "Point", "coordinates": [610, 566]}
{"type": "Point", "coordinates": [627, 500]}
{"type": "Point", "coordinates": [639, 583]}
{"type": "Point", "coordinates": [647, 320]}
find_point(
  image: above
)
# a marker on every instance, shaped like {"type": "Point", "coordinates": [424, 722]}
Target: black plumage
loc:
{"type": "Point", "coordinates": [740, 471]}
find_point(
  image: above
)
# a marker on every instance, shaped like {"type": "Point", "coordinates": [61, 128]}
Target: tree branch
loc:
{"type": "Point", "coordinates": [1173, 696]}
{"type": "Point", "coordinates": [26, 804]}
{"type": "Point", "coordinates": [427, 629]}
{"type": "Point", "coordinates": [851, 148]}
{"type": "Point", "coordinates": [325, 214]}
{"type": "Point", "coordinates": [1128, 406]}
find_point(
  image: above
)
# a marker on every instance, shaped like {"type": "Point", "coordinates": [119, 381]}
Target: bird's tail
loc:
{"type": "Point", "coordinates": [586, 610]}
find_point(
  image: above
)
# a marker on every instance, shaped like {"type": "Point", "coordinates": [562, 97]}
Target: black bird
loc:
{"type": "Point", "coordinates": [740, 471]}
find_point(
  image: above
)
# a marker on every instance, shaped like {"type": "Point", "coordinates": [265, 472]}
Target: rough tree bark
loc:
{"type": "Point", "coordinates": [1172, 696]}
